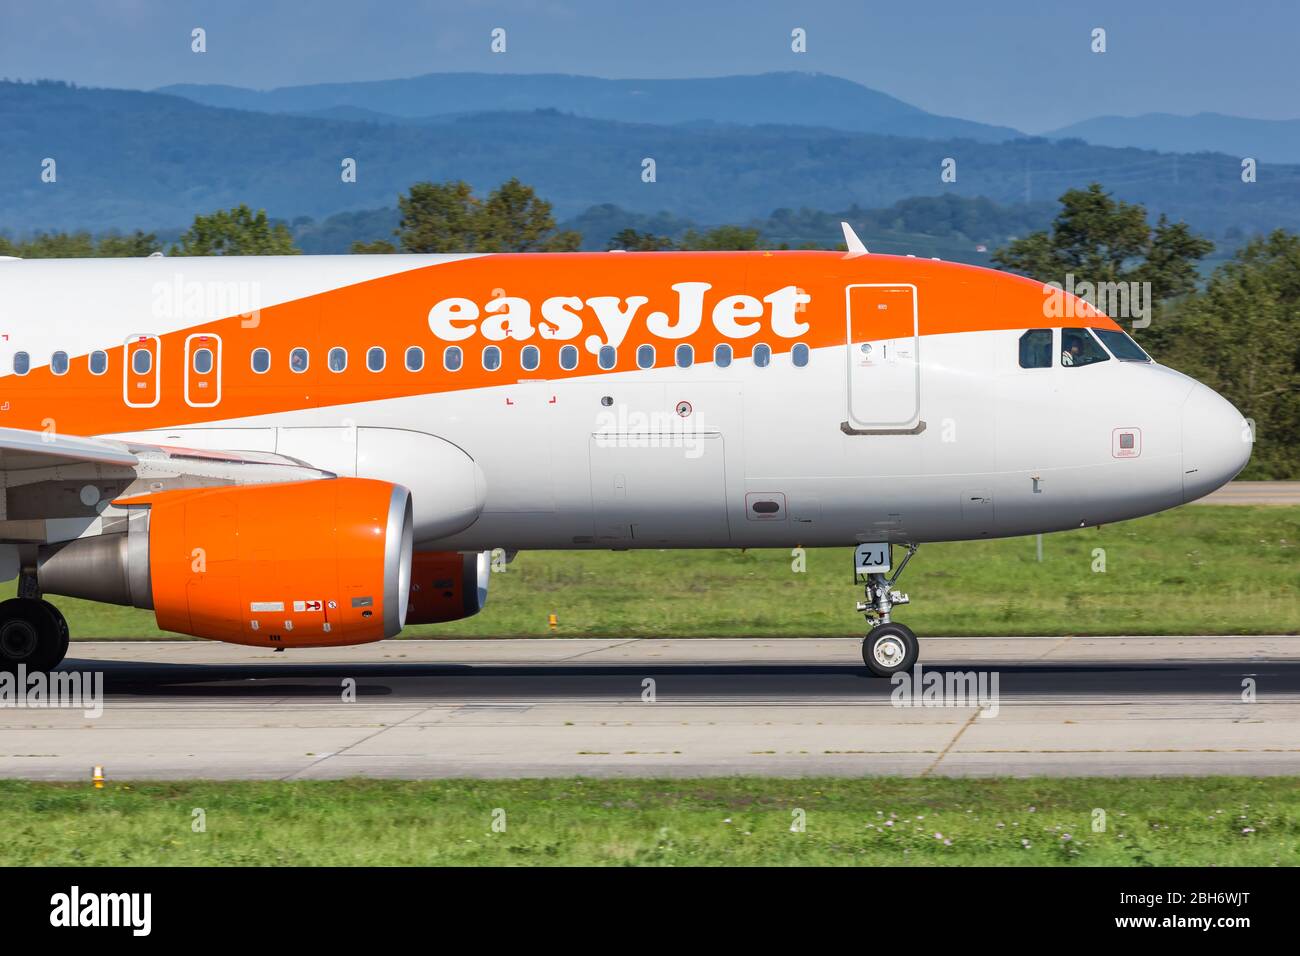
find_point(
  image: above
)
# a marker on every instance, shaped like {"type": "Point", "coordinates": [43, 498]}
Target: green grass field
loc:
{"type": "Point", "coordinates": [1227, 821]}
{"type": "Point", "coordinates": [1194, 570]}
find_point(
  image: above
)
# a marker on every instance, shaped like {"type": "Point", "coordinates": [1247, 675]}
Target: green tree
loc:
{"type": "Point", "coordinates": [137, 244]}
{"type": "Point", "coordinates": [378, 247]}
{"type": "Point", "coordinates": [1239, 337]}
{"type": "Point", "coordinates": [721, 238]}
{"type": "Point", "coordinates": [448, 217]}
{"type": "Point", "coordinates": [633, 241]}
{"type": "Point", "coordinates": [236, 232]}
{"type": "Point", "coordinates": [438, 218]}
{"type": "Point", "coordinates": [514, 219]}
{"type": "Point", "coordinates": [1096, 238]}
{"type": "Point", "coordinates": [80, 245]}
{"type": "Point", "coordinates": [54, 245]}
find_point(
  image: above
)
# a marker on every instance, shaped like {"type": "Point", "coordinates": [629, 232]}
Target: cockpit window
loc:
{"type": "Point", "coordinates": [1036, 349]}
{"type": "Point", "coordinates": [1121, 346]}
{"type": "Point", "coordinates": [1078, 347]}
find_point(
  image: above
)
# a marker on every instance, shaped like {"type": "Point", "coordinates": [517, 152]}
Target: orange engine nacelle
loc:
{"type": "Point", "coordinates": [447, 586]}
{"type": "Point", "coordinates": [299, 564]}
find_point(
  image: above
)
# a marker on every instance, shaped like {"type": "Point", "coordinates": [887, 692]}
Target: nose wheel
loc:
{"type": "Point", "coordinates": [888, 647]}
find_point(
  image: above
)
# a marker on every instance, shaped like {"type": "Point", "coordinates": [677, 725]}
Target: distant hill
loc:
{"type": "Point", "coordinates": [950, 227]}
{"type": "Point", "coordinates": [145, 160]}
{"type": "Point", "coordinates": [803, 99]}
{"type": "Point", "coordinates": [1274, 141]}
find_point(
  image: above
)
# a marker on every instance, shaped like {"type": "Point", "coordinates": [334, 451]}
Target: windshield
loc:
{"type": "Point", "coordinates": [1121, 346]}
{"type": "Point", "coordinates": [1079, 348]}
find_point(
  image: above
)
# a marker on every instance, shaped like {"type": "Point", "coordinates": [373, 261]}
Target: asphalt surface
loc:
{"type": "Point", "coordinates": [1254, 493]}
{"type": "Point", "coordinates": [423, 709]}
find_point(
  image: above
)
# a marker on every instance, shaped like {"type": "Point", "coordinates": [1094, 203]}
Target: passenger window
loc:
{"type": "Point", "coordinates": [451, 358]}
{"type": "Point", "coordinates": [375, 359]}
{"type": "Point", "coordinates": [685, 356]}
{"type": "Point", "coordinates": [22, 363]}
{"type": "Point", "coordinates": [645, 356]}
{"type": "Point", "coordinates": [98, 362]}
{"type": "Point", "coordinates": [762, 355]}
{"type": "Point", "coordinates": [1036, 349]}
{"type": "Point", "coordinates": [415, 358]}
{"type": "Point", "coordinates": [298, 360]}
{"type": "Point", "coordinates": [492, 358]}
{"type": "Point", "coordinates": [203, 361]}
{"type": "Point", "coordinates": [799, 355]}
{"type": "Point", "coordinates": [261, 360]}
{"type": "Point", "coordinates": [141, 361]}
{"type": "Point", "coordinates": [607, 357]}
{"type": "Point", "coordinates": [569, 357]}
{"type": "Point", "coordinates": [530, 358]}
{"type": "Point", "coordinates": [1078, 347]}
{"type": "Point", "coordinates": [59, 363]}
{"type": "Point", "coordinates": [338, 359]}
{"type": "Point", "coordinates": [722, 356]}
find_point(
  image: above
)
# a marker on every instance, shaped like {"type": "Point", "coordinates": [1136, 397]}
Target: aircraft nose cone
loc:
{"type": "Point", "coordinates": [1216, 442]}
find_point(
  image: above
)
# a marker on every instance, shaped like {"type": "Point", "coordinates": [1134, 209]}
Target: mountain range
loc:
{"type": "Point", "coordinates": [799, 99]}
{"type": "Point", "coordinates": [1276, 141]}
{"type": "Point", "coordinates": [727, 150]}
{"type": "Point", "coordinates": [802, 99]}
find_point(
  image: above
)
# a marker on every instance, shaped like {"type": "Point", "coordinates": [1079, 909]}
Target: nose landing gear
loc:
{"type": "Point", "coordinates": [888, 647]}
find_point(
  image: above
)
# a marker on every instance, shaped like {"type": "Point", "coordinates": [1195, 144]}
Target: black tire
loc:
{"type": "Point", "coordinates": [890, 648]}
{"type": "Point", "coordinates": [65, 636]}
{"type": "Point", "coordinates": [29, 635]}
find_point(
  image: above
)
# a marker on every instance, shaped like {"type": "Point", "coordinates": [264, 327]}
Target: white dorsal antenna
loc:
{"type": "Point", "coordinates": [856, 248]}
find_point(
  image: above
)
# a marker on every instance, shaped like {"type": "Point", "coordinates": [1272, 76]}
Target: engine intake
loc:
{"type": "Point", "coordinates": [298, 564]}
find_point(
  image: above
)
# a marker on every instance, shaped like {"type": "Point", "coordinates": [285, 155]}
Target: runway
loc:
{"type": "Point", "coordinates": [426, 709]}
{"type": "Point", "coordinates": [1254, 493]}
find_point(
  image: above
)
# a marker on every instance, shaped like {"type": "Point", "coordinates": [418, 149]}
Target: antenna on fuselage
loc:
{"type": "Point", "coordinates": [856, 246]}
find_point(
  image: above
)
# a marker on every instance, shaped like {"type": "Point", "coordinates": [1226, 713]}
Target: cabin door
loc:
{"type": "Point", "coordinates": [884, 369]}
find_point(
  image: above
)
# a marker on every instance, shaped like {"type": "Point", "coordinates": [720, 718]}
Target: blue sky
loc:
{"type": "Point", "coordinates": [1012, 62]}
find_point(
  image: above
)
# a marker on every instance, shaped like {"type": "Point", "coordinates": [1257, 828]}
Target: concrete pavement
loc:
{"type": "Point", "coordinates": [1063, 706]}
{"type": "Point", "coordinates": [1254, 493]}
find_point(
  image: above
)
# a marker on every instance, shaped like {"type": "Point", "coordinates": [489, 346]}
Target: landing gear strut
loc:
{"type": "Point", "coordinates": [888, 647]}
{"type": "Point", "coordinates": [32, 633]}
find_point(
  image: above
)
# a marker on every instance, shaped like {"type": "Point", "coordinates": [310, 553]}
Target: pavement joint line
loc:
{"type": "Point", "coordinates": [356, 743]}
{"type": "Point", "coordinates": [964, 727]}
{"type": "Point", "coordinates": [1055, 647]}
{"type": "Point", "coordinates": [607, 647]}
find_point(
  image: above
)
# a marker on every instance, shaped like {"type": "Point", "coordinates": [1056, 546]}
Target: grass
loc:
{"type": "Point", "coordinates": [1194, 570]}
{"type": "Point", "coordinates": [1224, 821]}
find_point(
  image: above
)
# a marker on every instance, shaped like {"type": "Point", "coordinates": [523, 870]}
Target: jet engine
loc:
{"type": "Point", "coordinates": [447, 585]}
{"type": "Point", "coordinates": [296, 564]}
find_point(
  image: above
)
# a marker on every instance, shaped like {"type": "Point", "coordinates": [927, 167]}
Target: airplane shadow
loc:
{"type": "Point", "coordinates": [679, 682]}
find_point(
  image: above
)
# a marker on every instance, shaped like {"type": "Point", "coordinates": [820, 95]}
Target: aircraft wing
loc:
{"type": "Point", "coordinates": [21, 450]}
{"type": "Point", "coordinates": [54, 487]}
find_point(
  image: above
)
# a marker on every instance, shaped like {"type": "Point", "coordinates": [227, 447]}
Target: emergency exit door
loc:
{"type": "Point", "coordinates": [141, 357]}
{"type": "Point", "coordinates": [884, 374]}
{"type": "Point", "coordinates": [203, 370]}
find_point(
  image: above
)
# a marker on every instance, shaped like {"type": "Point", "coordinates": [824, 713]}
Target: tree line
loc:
{"type": "Point", "coordinates": [1236, 331]}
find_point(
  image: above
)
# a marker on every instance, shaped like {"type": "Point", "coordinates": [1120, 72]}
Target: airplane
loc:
{"type": "Point", "coordinates": [307, 451]}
